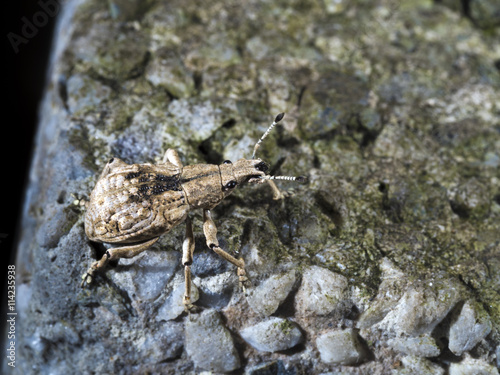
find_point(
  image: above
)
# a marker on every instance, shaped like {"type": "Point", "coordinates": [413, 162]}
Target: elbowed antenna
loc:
{"type": "Point", "coordinates": [257, 145]}
{"type": "Point", "coordinates": [287, 178]}
{"type": "Point", "coordinates": [276, 120]}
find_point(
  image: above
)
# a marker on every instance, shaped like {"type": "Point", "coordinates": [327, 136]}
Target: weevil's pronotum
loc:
{"type": "Point", "coordinates": [134, 204]}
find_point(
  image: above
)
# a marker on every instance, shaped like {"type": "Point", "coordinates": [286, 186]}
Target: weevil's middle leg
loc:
{"type": "Point", "coordinates": [187, 260]}
{"type": "Point", "coordinates": [116, 253]}
{"type": "Point", "coordinates": [210, 231]}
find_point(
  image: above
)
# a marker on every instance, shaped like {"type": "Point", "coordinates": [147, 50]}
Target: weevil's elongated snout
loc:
{"type": "Point", "coordinates": [251, 170]}
{"type": "Point", "coordinates": [241, 171]}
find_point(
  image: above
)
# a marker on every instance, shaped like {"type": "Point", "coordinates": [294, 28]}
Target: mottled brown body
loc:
{"type": "Point", "coordinates": [134, 204]}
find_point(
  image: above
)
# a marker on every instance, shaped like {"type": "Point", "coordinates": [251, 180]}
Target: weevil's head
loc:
{"type": "Point", "coordinates": [241, 171]}
{"type": "Point", "coordinates": [250, 170]}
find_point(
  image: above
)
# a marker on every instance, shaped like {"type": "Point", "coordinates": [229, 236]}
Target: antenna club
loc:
{"type": "Point", "coordinates": [302, 179]}
{"type": "Point", "coordinates": [279, 117]}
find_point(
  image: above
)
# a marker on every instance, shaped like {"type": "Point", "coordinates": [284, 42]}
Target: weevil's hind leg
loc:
{"type": "Point", "coordinates": [187, 260]}
{"type": "Point", "coordinates": [210, 231]}
{"type": "Point", "coordinates": [173, 157]}
{"type": "Point", "coordinates": [115, 253]}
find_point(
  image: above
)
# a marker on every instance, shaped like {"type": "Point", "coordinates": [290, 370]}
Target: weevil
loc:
{"type": "Point", "coordinates": [132, 205]}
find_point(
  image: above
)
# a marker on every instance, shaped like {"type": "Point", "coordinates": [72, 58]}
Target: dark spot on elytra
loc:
{"type": "Point", "coordinates": [143, 189]}
{"type": "Point", "coordinates": [134, 198]}
{"type": "Point", "coordinates": [161, 188]}
{"type": "Point", "coordinates": [132, 175]}
{"type": "Point", "coordinates": [168, 183]}
{"type": "Point", "coordinates": [161, 177]}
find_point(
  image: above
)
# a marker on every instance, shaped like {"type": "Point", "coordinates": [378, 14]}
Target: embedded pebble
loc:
{"type": "Point", "coordinates": [265, 298]}
{"type": "Point", "coordinates": [166, 70]}
{"type": "Point", "coordinates": [497, 353]}
{"type": "Point", "coordinates": [469, 366]}
{"type": "Point", "coordinates": [60, 331]}
{"type": "Point", "coordinates": [321, 292]}
{"type": "Point", "coordinates": [390, 291]}
{"type": "Point", "coordinates": [340, 347]}
{"type": "Point", "coordinates": [36, 343]}
{"type": "Point", "coordinates": [85, 92]}
{"type": "Point", "coordinates": [216, 291]}
{"type": "Point", "coordinates": [417, 365]}
{"type": "Point", "coordinates": [422, 307]}
{"type": "Point", "coordinates": [209, 344]}
{"type": "Point", "coordinates": [173, 305]}
{"type": "Point", "coordinates": [421, 346]}
{"type": "Point", "coordinates": [471, 200]}
{"type": "Point", "coordinates": [272, 335]}
{"type": "Point", "coordinates": [148, 273]}
{"type": "Point", "coordinates": [164, 343]}
{"type": "Point", "coordinates": [23, 298]}
{"type": "Point", "coordinates": [470, 326]}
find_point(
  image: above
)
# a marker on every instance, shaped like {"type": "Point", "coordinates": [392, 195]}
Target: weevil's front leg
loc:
{"type": "Point", "coordinates": [173, 157]}
{"type": "Point", "coordinates": [116, 253]}
{"type": "Point", "coordinates": [210, 231]}
{"type": "Point", "coordinates": [187, 260]}
{"type": "Point", "coordinates": [277, 194]}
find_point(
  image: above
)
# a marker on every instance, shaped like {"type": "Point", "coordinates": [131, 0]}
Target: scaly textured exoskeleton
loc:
{"type": "Point", "coordinates": [134, 204]}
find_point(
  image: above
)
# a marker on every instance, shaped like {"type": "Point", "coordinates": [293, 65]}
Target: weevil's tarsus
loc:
{"type": "Point", "coordinates": [128, 251]}
{"type": "Point", "coordinates": [257, 145]}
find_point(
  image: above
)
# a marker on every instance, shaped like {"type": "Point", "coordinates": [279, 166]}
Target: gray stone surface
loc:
{"type": "Point", "coordinates": [147, 275]}
{"type": "Point", "coordinates": [321, 292]}
{"type": "Point", "coordinates": [266, 297]}
{"type": "Point", "coordinates": [173, 305]}
{"type": "Point", "coordinates": [340, 347]}
{"type": "Point", "coordinates": [420, 346]}
{"type": "Point", "coordinates": [418, 365]}
{"type": "Point", "coordinates": [472, 366]}
{"type": "Point", "coordinates": [470, 325]}
{"type": "Point", "coordinates": [390, 290]}
{"type": "Point", "coordinates": [391, 111]}
{"type": "Point", "coordinates": [209, 344]}
{"type": "Point", "coordinates": [272, 335]}
{"type": "Point", "coordinates": [422, 307]}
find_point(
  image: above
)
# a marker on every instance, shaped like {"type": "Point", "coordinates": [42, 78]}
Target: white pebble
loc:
{"type": "Point", "coordinates": [272, 335]}
{"type": "Point", "coordinates": [340, 347]}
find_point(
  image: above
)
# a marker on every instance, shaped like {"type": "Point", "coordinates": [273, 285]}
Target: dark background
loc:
{"type": "Point", "coordinates": [25, 74]}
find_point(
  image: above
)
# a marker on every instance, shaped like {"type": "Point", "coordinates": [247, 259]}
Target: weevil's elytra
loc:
{"type": "Point", "coordinates": [134, 204]}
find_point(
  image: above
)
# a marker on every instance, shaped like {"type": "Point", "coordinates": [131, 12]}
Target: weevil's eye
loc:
{"type": "Point", "coordinates": [261, 167]}
{"type": "Point", "coordinates": [111, 160]}
{"type": "Point", "coordinates": [227, 162]}
{"type": "Point", "coordinates": [230, 185]}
